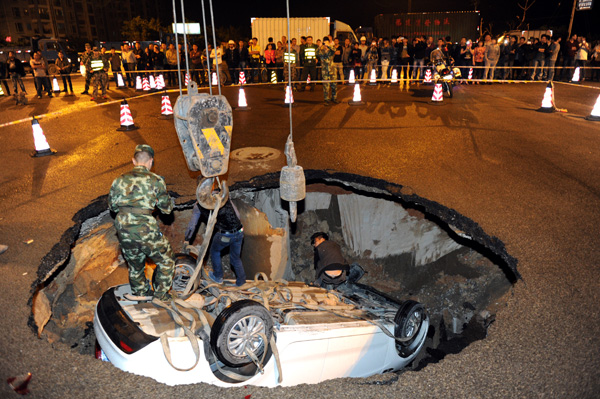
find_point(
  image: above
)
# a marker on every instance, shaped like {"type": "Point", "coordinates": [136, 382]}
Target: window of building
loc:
{"type": "Point", "coordinates": [28, 27]}
{"type": "Point", "coordinates": [16, 12]}
{"type": "Point", "coordinates": [19, 27]}
{"type": "Point", "coordinates": [61, 28]}
{"type": "Point", "coordinates": [58, 13]}
{"type": "Point", "coordinates": [57, 3]}
{"type": "Point", "coordinates": [26, 12]}
{"type": "Point", "coordinates": [43, 11]}
{"type": "Point", "coordinates": [93, 31]}
{"type": "Point", "coordinates": [92, 20]}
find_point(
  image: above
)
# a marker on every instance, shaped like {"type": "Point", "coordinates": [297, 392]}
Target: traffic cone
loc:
{"type": "Point", "coordinates": [145, 84]}
{"type": "Point", "coordinates": [55, 87]}
{"type": "Point", "coordinates": [356, 98]}
{"type": "Point", "coordinates": [576, 78]}
{"type": "Point", "coordinates": [595, 115]}
{"type": "Point", "coordinates": [289, 97]}
{"type": "Point", "coordinates": [373, 78]}
{"type": "Point", "coordinates": [2, 91]}
{"type": "Point", "coordinates": [394, 81]}
{"type": "Point", "coordinates": [351, 79]}
{"type": "Point", "coordinates": [160, 82]}
{"type": "Point", "coordinates": [42, 148]}
{"type": "Point", "coordinates": [187, 79]}
{"type": "Point", "coordinates": [152, 82]}
{"type": "Point", "coordinates": [242, 103]}
{"type": "Point", "coordinates": [548, 100]}
{"type": "Point", "coordinates": [470, 73]}
{"type": "Point", "coordinates": [427, 76]}
{"type": "Point", "coordinates": [308, 79]}
{"type": "Point", "coordinates": [166, 110]}
{"type": "Point", "coordinates": [438, 94]}
{"type": "Point", "coordinates": [126, 119]}
{"type": "Point", "coordinates": [242, 78]}
{"type": "Point", "coordinates": [215, 80]}
{"type": "Point", "coordinates": [120, 82]}
{"type": "Point", "coordinates": [273, 77]}
{"type": "Point", "coordinates": [19, 383]}
{"type": "Point", "coordinates": [138, 83]}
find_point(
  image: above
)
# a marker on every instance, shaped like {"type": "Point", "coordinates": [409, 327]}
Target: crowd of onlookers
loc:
{"type": "Point", "coordinates": [513, 58]}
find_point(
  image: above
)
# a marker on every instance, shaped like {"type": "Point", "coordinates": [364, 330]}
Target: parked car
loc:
{"type": "Point", "coordinates": [267, 333]}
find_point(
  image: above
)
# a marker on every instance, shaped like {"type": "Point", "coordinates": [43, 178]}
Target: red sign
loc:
{"type": "Point", "coordinates": [8, 39]}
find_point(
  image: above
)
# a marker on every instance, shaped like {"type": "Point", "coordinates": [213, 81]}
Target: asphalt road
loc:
{"type": "Point", "coordinates": [529, 178]}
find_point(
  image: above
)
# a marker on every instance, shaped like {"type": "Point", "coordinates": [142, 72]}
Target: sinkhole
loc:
{"type": "Point", "coordinates": [410, 247]}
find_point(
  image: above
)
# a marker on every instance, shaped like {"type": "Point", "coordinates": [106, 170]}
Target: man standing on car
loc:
{"type": "Point", "coordinates": [133, 197]}
{"type": "Point", "coordinates": [229, 232]}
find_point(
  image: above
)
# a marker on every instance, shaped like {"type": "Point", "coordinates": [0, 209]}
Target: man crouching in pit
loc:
{"type": "Point", "coordinates": [330, 266]}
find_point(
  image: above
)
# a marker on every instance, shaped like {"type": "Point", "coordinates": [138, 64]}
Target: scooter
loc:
{"type": "Point", "coordinates": [447, 75]}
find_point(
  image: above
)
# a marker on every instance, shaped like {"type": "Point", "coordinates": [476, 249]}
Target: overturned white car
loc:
{"type": "Point", "coordinates": [266, 333]}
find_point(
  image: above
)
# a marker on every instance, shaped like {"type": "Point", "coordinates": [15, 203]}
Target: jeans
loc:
{"type": "Point", "coordinates": [338, 71]}
{"type": "Point", "coordinates": [16, 79]}
{"type": "Point", "coordinates": [66, 78]}
{"type": "Point", "coordinates": [541, 63]}
{"type": "Point", "coordinates": [234, 241]}
{"type": "Point", "coordinates": [43, 82]}
{"type": "Point", "coordinates": [490, 64]}
{"type": "Point", "coordinates": [418, 65]}
{"type": "Point", "coordinates": [549, 75]}
{"type": "Point", "coordinates": [128, 68]}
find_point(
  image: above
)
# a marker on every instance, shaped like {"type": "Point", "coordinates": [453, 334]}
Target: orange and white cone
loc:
{"type": "Point", "coordinates": [42, 148]}
{"type": "Point", "coordinates": [373, 78]}
{"type": "Point", "coordinates": [166, 110]}
{"type": "Point", "coordinates": [351, 78]}
{"type": "Point", "coordinates": [394, 81]}
{"type": "Point", "coordinates": [242, 103]}
{"type": "Point", "coordinates": [160, 82]}
{"type": "Point", "coordinates": [187, 79]}
{"type": "Point", "coordinates": [120, 82]}
{"type": "Point", "coordinates": [595, 115]}
{"type": "Point", "coordinates": [428, 76]}
{"type": "Point", "coordinates": [2, 91]}
{"type": "Point", "coordinates": [470, 73]}
{"type": "Point", "coordinates": [152, 82]}
{"type": "Point", "coordinates": [138, 83]}
{"type": "Point", "coordinates": [145, 84]}
{"type": "Point", "coordinates": [308, 79]}
{"type": "Point", "coordinates": [548, 100]}
{"type": "Point", "coordinates": [289, 96]}
{"type": "Point", "coordinates": [438, 94]}
{"type": "Point", "coordinates": [126, 119]}
{"type": "Point", "coordinates": [356, 98]}
{"type": "Point", "coordinates": [242, 78]}
{"type": "Point", "coordinates": [215, 80]}
{"type": "Point", "coordinates": [55, 87]}
{"type": "Point", "coordinates": [576, 76]}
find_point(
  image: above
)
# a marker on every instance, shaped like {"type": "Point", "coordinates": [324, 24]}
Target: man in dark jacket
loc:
{"type": "Point", "coordinates": [232, 58]}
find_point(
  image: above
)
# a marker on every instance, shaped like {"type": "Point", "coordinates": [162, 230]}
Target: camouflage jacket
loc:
{"type": "Point", "coordinates": [325, 54]}
{"type": "Point", "coordinates": [88, 63]}
{"type": "Point", "coordinates": [140, 189]}
{"type": "Point", "coordinates": [85, 56]}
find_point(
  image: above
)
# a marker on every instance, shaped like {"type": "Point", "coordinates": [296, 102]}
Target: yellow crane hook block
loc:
{"type": "Point", "coordinates": [204, 124]}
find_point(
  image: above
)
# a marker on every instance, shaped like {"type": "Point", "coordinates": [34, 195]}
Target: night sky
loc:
{"type": "Point", "coordinates": [544, 13]}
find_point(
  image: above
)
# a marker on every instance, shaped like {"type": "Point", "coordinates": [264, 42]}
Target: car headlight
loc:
{"type": "Point", "coordinates": [448, 77]}
{"type": "Point", "coordinates": [68, 59]}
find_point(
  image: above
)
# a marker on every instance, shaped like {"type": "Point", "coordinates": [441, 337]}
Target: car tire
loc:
{"type": "Point", "coordinates": [185, 265]}
{"type": "Point", "coordinates": [245, 317]}
{"type": "Point", "coordinates": [409, 321]}
{"type": "Point", "coordinates": [52, 69]}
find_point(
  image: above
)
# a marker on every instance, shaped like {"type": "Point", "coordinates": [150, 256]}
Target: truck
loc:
{"type": "Point", "coordinates": [317, 27]}
{"type": "Point", "coordinates": [437, 24]}
{"type": "Point", "coordinates": [49, 48]}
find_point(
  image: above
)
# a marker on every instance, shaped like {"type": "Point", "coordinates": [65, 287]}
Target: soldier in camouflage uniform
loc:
{"type": "Point", "coordinates": [97, 66]}
{"type": "Point", "coordinates": [290, 58]}
{"type": "Point", "coordinates": [84, 60]}
{"type": "Point", "coordinates": [133, 197]}
{"type": "Point", "coordinates": [325, 54]}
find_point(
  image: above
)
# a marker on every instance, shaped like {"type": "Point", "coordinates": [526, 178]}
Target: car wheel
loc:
{"type": "Point", "coordinates": [184, 269]}
{"type": "Point", "coordinates": [52, 69]}
{"type": "Point", "coordinates": [409, 321]}
{"type": "Point", "coordinates": [237, 329]}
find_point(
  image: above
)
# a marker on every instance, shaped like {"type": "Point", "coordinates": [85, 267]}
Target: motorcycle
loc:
{"type": "Point", "coordinates": [447, 74]}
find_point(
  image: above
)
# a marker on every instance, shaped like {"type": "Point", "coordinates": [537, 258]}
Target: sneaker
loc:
{"type": "Point", "coordinates": [104, 97]}
{"type": "Point", "coordinates": [335, 101]}
{"type": "Point", "coordinates": [39, 96]}
{"type": "Point", "coordinates": [218, 280]}
{"type": "Point", "coordinates": [92, 98]}
{"type": "Point", "coordinates": [85, 92]}
{"type": "Point", "coordinates": [3, 248]}
{"type": "Point", "coordinates": [327, 103]}
{"type": "Point", "coordinates": [50, 95]}
{"type": "Point", "coordinates": [138, 298]}
{"type": "Point", "coordinates": [166, 297]}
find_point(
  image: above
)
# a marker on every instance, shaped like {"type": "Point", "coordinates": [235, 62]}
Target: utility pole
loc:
{"type": "Point", "coordinates": [571, 22]}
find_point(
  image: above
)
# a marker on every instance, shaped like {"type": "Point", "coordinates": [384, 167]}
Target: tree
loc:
{"type": "Point", "coordinates": [141, 29]}
{"type": "Point", "coordinates": [525, 7]}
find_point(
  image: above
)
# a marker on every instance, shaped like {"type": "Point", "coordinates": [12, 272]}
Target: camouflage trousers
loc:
{"type": "Point", "coordinates": [329, 89]}
{"type": "Point", "coordinates": [286, 73]}
{"type": "Point", "coordinates": [140, 238]}
{"type": "Point", "coordinates": [99, 78]}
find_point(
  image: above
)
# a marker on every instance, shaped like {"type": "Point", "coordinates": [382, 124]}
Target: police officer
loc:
{"type": "Point", "coordinates": [290, 57]}
{"type": "Point", "coordinates": [308, 59]}
{"type": "Point", "coordinates": [133, 197]}
{"type": "Point", "coordinates": [326, 53]}
{"type": "Point", "coordinates": [84, 60]}
{"type": "Point", "coordinates": [97, 66]}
